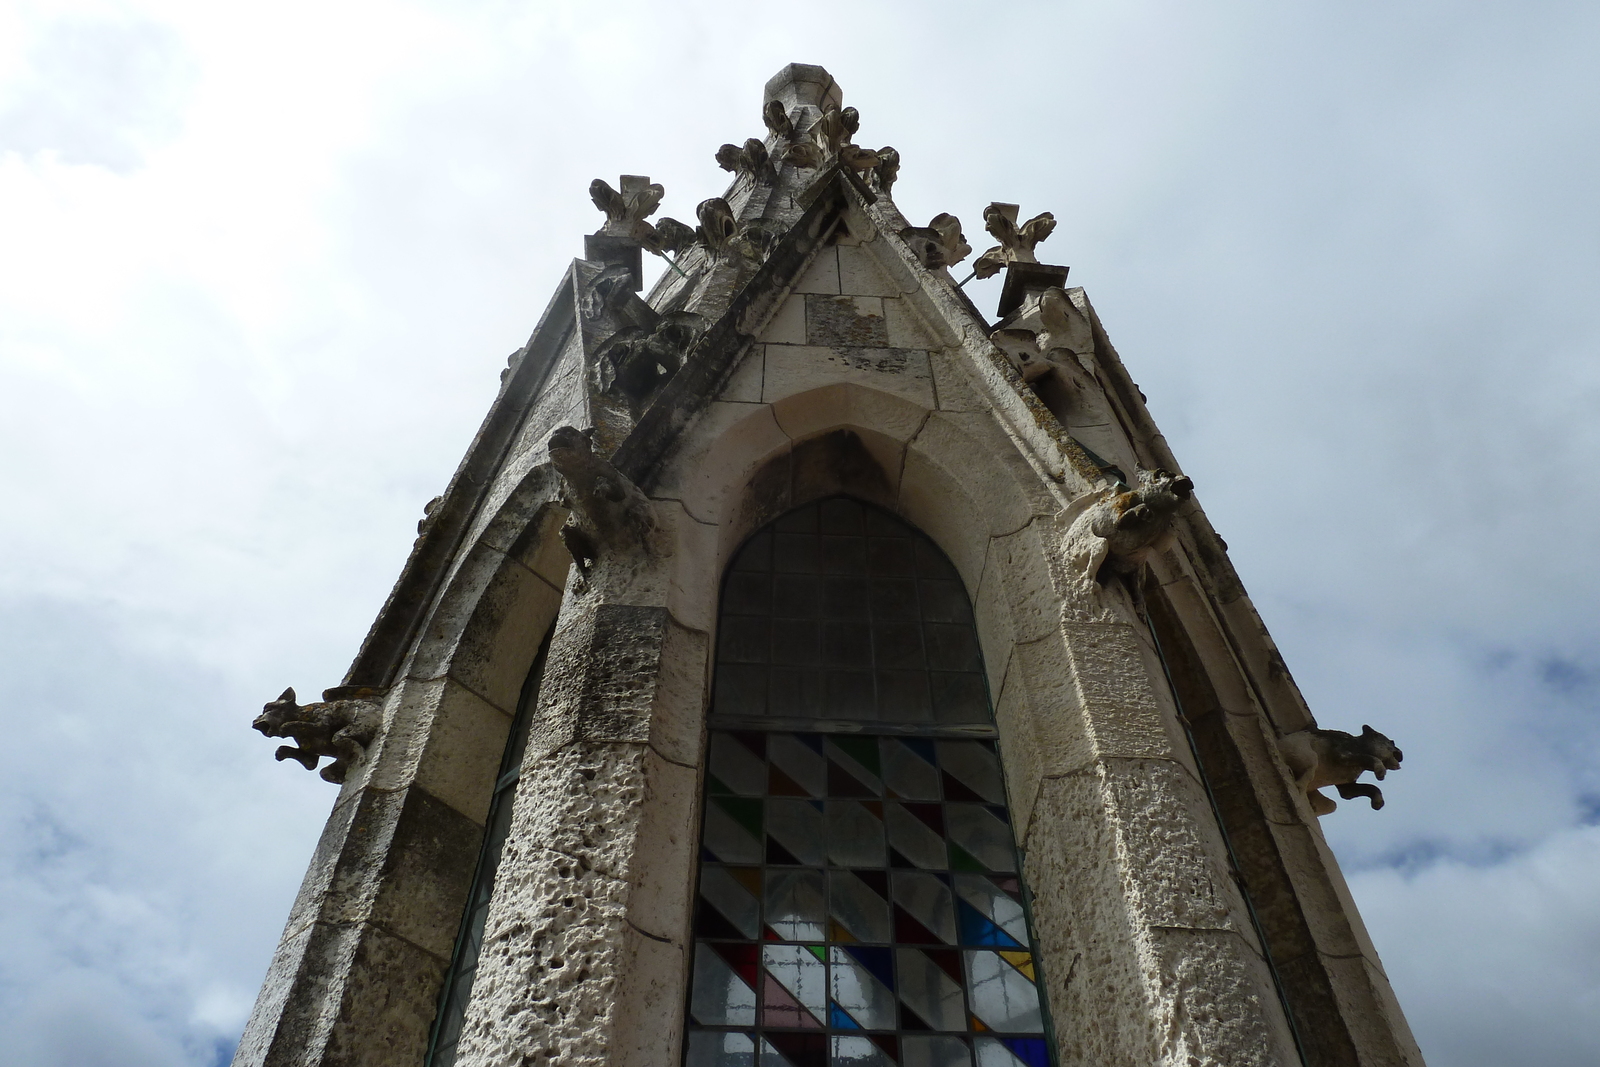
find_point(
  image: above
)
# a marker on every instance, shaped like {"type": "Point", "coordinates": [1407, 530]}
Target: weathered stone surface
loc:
{"type": "Point", "coordinates": [1126, 893]}
{"type": "Point", "coordinates": [1218, 1005]}
{"type": "Point", "coordinates": [1120, 708]}
{"type": "Point", "coordinates": [792, 370]}
{"type": "Point", "coordinates": [788, 324]}
{"type": "Point", "coordinates": [860, 275]}
{"type": "Point", "coordinates": [852, 404]}
{"type": "Point", "coordinates": [846, 321]}
{"type": "Point", "coordinates": [550, 964]}
{"type": "Point", "coordinates": [823, 274]}
{"type": "Point", "coordinates": [651, 1000]}
{"type": "Point", "coordinates": [744, 386]}
{"type": "Point", "coordinates": [600, 677]}
{"type": "Point", "coordinates": [713, 462]}
{"type": "Point", "coordinates": [447, 740]}
{"type": "Point", "coordinates": [427, 870]}
{"type": "Point", "coordinates": [507, 625]}
{"type": "Point", "coordinates": [388, 1006]}
{"type": "Point", "coordinates": [906, 327]}
{"type": "Point", "coordinates": [272, 1034]}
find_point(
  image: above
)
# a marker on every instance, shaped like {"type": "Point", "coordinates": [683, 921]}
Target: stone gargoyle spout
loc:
{"type": "Point", "coordinates": [341, 725]}
{"type": "Point", "coordinates": [1118, 530]}
{"type": "Point", "coordinates": [1320, 758]}
{"type": "Point", "coordinates": [611, 518]}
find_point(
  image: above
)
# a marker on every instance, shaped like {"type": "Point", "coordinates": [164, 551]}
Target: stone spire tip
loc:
{"type": "Point", "coordinates": [804, 83]}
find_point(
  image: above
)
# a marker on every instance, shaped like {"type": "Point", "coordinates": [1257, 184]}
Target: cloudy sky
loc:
{"type": "Point", "coordinates": [260, 265]}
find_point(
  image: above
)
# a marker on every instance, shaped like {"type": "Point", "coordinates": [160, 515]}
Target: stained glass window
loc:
{"type": "Point", "coordinates": [859, 900]}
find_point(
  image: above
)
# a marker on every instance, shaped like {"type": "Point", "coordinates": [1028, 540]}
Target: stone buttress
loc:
{"type": "Point", "coordinates": [805, 341]}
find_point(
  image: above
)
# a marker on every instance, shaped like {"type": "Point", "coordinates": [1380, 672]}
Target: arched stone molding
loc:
{"type": "Point", "coordinates": [357, 974]}
{"type": "Point", "coordinates": [1131, 900]}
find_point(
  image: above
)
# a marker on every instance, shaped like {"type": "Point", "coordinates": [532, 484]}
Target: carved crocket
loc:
{"type": "Point", "coordinates": [610, 516]}
{"type": "Point", "coordinates": [1320, 758]}
{"type": "Point", "coordinates": [340, 727]}
{"type": "Point", "coordinates": [1118, 530]}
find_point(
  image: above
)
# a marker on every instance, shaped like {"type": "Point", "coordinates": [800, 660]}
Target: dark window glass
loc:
{"type": "Point", "coordinates": [859, 900]}
{"type": "Point", "coordinates": [464, 963]}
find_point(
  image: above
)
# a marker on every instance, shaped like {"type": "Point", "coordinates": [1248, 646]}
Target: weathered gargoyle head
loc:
{"type": "Point", "coordinates": [275, 714]}
{"type": "Point", "coordinates": [567, 443]}
{"type": "Point", "coordinates": [1382, 749]}
{"type": "Point", "coordinates": [1160, 483]}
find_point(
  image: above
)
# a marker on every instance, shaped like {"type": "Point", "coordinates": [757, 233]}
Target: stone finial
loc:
{"type": "Point", "coordinates": [938, 244]}
{"type": "Point", "coordinates": [1121, 526]}
{"type": "Point", "coordinates": [611, 518]}
{"type": "Point", "coordinates": [341, 725]}
{"type": "Point", "coordinates": [1320, 758]}
{"type": "Point", "coordinates": [618, 240]}
{"type": "Point", "coordinates": [1016, 242]}
{"type": "Point", "coordinates": [802, 84]}
{"type": "Point", "coordinates": [626, 210]}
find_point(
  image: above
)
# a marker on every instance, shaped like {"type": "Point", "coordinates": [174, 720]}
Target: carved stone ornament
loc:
{"type": "Point", "coordinates": [341, 725]}
{"type": "Point", "coordinates": [635, 362]}
{"type": "Point", "coordinates": [668, 237]}
{"type": "Point", "coordinates": [609, 291]}
{"type": "Point", "coordinates": [1063, 340]}
{"type": "Point", "coordinates": [776, 118]}
{"type": "Point", "coordinates": [751, 161]}
{"type": "Point", "coordinates": [1016, 242]}
{"type": "Point", "coordinates": [1121, 526]}
{"type": "Point", "coordinates": [938, 244]}
{"type": "Point", "coordinates": [626, 210]}
{"type": "Point", "coordinates": [830, 139]}
{"type": "Point", "coordinates": [611, 519]}
{"type": "Point", "coordinates": [887, 172]}
{"type": "Point", "coordinates": [726, 238]}
{"type": "Point", "coordinates": [1320, 758]}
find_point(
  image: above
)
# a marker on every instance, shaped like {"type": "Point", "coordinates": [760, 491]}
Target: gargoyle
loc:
{"type": "Point", "coordinates": [341, 725]}
{"type": "Point", "coordinates": [776, 118]}
{"type": "Point", "coordinates": [1118, 530]}
{"type": "Point", "coordinates": [1016, 242]}
{"type": "Point", "coordinates": [1064, 338]}
{"type": "Point", "coordinates": [668, 236]}
{"type": "Point", "coordinates": [610, 516]}
{"type": "Point", "coordinates": [938, 244]}
{"type": "Point", "coordinates": [725, 237]}
{"type": "Point", "coordinates": [627, 210]}
{"type": "Point", "coordinates": [1320, 758]}
{"type": "Point", "coordinates": [887, 172]}
{"type": "Point", "coordinates": [634, 361]}
{"type": "Point", "coordinates": [831, 139]}
{"type": "Point", "coordinates": [751, 160]}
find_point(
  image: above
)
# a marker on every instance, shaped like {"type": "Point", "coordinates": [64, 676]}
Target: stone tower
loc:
{"type": "Point", "coordinates": [802, 668]}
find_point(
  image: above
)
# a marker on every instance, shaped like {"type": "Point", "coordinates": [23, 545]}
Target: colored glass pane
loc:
{"type": "Point", "coordinates": [859, 901]}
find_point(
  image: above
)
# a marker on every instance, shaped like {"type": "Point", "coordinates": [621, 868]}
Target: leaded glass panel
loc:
{"type": "Point", "coordinates": [859, 900]}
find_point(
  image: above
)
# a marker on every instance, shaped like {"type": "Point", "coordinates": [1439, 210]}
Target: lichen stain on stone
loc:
{"type": "Point", "coordinates": [884, 361]}
{"type": "Point", "coordinates": [846, 320]}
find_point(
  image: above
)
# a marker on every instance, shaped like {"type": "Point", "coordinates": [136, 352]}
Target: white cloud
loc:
{"type": "Point", "coordinates": [261, 269]}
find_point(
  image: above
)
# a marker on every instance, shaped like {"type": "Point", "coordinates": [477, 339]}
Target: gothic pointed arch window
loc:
{"type": "Point", "coordinates": [859, 899]}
